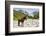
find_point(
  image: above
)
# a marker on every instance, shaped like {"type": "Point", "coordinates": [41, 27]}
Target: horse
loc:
{"type": "Point", "coordinates": [22, 20]}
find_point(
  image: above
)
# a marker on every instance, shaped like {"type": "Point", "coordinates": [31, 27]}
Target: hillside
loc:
{"type": "Point", "coordinates": [18, 15]}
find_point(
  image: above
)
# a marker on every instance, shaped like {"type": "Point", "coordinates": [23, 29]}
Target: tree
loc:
{"type": "Point", "coordinates": [36, 15]}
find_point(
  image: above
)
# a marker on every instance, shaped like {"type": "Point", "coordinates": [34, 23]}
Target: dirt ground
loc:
{"type": "Point", "coordinates": [27, 23]}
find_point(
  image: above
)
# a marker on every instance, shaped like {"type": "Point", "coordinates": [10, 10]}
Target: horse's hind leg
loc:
{"type": "Point", "coordinates": [22, 24]}
{"type": "Point", "coordinates": [18, 23]}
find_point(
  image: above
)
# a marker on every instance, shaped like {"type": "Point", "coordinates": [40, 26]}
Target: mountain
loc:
{"type": "Point", "coordinates": [18, 15]}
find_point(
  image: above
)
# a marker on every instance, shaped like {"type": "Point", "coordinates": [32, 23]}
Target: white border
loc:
{"type": "Point", "coordinates": [28, 28]}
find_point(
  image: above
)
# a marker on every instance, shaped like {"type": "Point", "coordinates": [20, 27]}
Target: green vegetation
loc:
{"type": "Point", "coordinates": [36, 15]}
{"type": "Point", "coordinates": [18, 15]}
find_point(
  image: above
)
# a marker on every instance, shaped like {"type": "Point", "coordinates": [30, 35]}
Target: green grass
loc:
{"type": "Point", "coordinates": [18, 15]}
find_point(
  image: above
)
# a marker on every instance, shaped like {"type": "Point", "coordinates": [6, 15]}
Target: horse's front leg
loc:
{"type": "Point", "coordinates": [22, 24]}
{"type": "Point", "coordinates": [18, 23]}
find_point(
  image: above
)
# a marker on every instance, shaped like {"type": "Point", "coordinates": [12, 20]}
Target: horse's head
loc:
{"type": "Point", "coordinates": [25, 17]}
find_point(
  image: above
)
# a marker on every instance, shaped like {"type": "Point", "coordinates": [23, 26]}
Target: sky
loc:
{"type": "Point", "coordinates": [29, 10]}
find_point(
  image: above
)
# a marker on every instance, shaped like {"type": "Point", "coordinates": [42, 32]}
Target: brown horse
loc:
{"type": "Point", "coordinates": [22, 20]}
